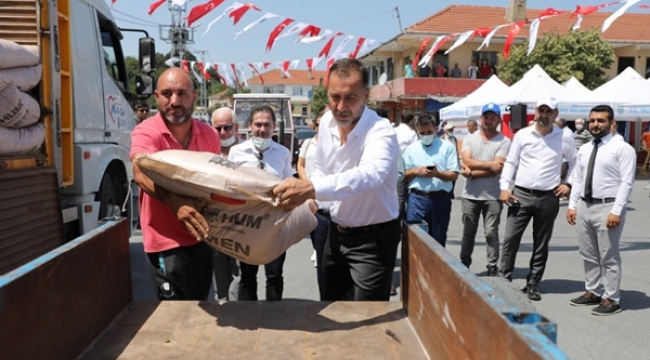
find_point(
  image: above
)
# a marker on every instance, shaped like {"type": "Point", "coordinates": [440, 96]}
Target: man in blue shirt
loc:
{"type": "Point", "coordinates": [431, 167]}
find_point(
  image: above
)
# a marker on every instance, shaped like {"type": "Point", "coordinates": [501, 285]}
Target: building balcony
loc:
{"type": "Point", "coordinates": [443, 89]}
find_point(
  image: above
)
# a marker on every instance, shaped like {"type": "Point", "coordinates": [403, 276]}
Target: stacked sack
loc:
{"type": "Point", "coordinates": [244, 219]}
{"type": "Point", "coordinates": [20, 130]}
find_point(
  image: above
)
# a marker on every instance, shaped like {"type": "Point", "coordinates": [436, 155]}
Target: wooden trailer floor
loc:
{"type": "Point", "coordinates": [289, 329]}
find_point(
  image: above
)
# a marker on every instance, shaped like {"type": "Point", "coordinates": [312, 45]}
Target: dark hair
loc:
{"type": "Point", "coordinates": [604, 108]}
{"type": "Point", "coordinates": [261, 108]}
{"type": "Point", "coordinates": [381, 112]}
{"type": "Point", "coordinates": [141, 105]}
{"type": "Point", "coordinates": [425, 120]}
{"type": "Point", "coordinates": [472, 121]}
{"type": "Point", "coordinates": [407, 116]}
{"type": "Point", "coordinates": [561, 121]}
{"type": "Point", "coordinates": [344, 67]}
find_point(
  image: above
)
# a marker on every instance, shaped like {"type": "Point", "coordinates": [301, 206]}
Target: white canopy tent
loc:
{"type": "Point", "coordinates": [470, 106]}
{"type": "Point", "coordinates": [628, 93]}
{"type": "Point", "coordinates": [576, 86]}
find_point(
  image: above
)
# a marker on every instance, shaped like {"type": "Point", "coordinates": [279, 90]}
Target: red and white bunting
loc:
{"type": "Point", "coordinates": [610, 20]}
{"type": "Point", "coordinates": [241, 10]}
{"type": "Point", "coordinates": [460, 41]}
{"type": "Point", "coordinates": [185, 66]}
{"type": "Point", "coordinates": [200, 11]}
{"type": "Point", "coordinates": [328, 45]}
{"type": "Point", "coordinates": [262, 19]}
{"type": "Point", "coordinates": [339, 49]}
{"type": "Point", "coordinates": [228, 10]}
{"type": "Point", "coordinates": [360, 41]}
{"type": "Point", "coordinates": [441, 40]}
{"type": "Point", "coordinates": [488, 38]}
{"type": "Point", "coordinates": [284, 66]}
{"type": "Point", "coordinates": [171, 62]}
{"type": "Point", "coordinates": [234, 72]}
{"type": "Point", "coordinates": [367, 45]}
{"type": "Point", "coordinates": [242, 73]}
{"type": "Point", "coordinates": [196, 75]}
{"type": "Point", "coordinates": [295, 29]}
{"type": "Point", "coordinates": [113, 2]}
{"type": "Point", "coordinates": [312, 63]}
{"type": "Point", "coordinates": [206, 74]}
{"type": "Point", "coordinates": [256, 72]}
{"type": "Point", "coordinates": [311, 39]}
{"type": "Point", "coordinates": [309, 31]}
{"type": "Point", "coordinates": [225, 78]}
{"type": "Point", "coordinates": [155, 6]}
{"type": "Point", "coordinates": [295, 63]}
{"type": "Point", "coordinates": [276, 32]}
{"type": "Point", "coordinates": [534, 26]}
{"type": "Point", "coordinates": [423, 46]}
{"type": "Point", "coordinates": [514, 30]}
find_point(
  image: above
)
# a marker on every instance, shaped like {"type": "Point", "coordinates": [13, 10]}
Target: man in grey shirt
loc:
{"type": "Point", "coordinates": [484, 153]}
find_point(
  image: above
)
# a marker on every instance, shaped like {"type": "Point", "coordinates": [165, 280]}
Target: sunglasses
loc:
{"type": "Point", "coordinates": [143, 110]}
{"type": "Point", "coordinates": [260, 157]}
{"type": "Point", "coordinates": [227, 128]}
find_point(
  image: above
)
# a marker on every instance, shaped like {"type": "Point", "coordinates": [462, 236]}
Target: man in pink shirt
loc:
{"type": "Point", "coordinates": [172, 228]}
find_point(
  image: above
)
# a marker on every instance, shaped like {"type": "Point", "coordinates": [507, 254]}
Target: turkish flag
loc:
{"type": "Point", "coordinates": [155, 6]}
{"type": "Point", "coordinates": [274, 34]}
{"type": "Point", "coordinates": [514, 29]}
{"type": "Point", "coordinates": [328, 46]}
{"type": "Point", "coordinates": [221, 78]}
{"type": "Point", "coordinates": [200, 11]}
{"type": "Point", "coordinates": [353, 55]}
{"type": "Point", "coordinates": [309, 31]}
{"type": "Point", "coordinates": [482, 32]}
{"type": "Point", "coordinates": [238, 13]}
{"type": "Point", "coordinates": [423, 46]}
{"type": "Point", "coordinates": [184, 65]}
{"type": "Point", "coordinates": [550, 12]}
{"type": "Point", "coordinates": [113, 2]}
{"type": "Point", "coordinates": [587, 10]}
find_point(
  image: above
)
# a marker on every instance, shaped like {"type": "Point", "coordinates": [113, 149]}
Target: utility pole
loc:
{"type": "Point", "coordinates": [399, 20]}
{"type": "Point", "coordinates": [516, 11]}
{"type": "Point", "coordinates": [177, 34]}
{"type": "Point", "coordinates": [203, 93]}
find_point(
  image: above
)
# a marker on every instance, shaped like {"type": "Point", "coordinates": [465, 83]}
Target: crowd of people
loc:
{"type": "Point", "coordinates": [370, 179]}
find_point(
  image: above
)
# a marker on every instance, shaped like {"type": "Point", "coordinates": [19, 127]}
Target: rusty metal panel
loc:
{"type": "Point", "coordinates": [31, 222]}
{"type": "Point", "coordinates": [19, 21]}
{"type": "Point", "coordinates": [54, 306]}
{"type": "Point", "coordinates": [458, 316]}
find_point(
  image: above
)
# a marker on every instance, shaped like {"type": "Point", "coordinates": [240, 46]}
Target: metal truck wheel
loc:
{"type": "Point", "coordinates": [109, 202]}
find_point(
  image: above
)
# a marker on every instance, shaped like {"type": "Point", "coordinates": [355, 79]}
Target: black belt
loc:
{"type": "Point", "coordinates": [430, 194]}
{"type": "Point", "coordinates": [324, 213]}
{"type": "Point", "coordinates": [535, 192]}
{"type": "Point", "coordinates": [599, 201]}
{"type": "Point", "coordinates": [364, 229]}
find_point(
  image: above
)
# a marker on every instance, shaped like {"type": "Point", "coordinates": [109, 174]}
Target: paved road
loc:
{"type": "Point", "coordinates": [580, 334]}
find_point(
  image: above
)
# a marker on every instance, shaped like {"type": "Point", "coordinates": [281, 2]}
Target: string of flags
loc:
{"type": "Point", "coordinates": [307, 33]}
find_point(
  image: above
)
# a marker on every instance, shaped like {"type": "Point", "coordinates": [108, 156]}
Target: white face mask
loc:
{"type": "Point", "coordinates": [229, 141]}
{"type": "Point", "coordinates": [262, 143]}
{"type": "Point", "coordinates": [427, 139]}
{"type": "Point", "coordinates": [579, 127]}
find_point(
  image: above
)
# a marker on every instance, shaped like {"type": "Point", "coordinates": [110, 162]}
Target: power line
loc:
{"type": "Point", "coordinates": [135, 23]}
{"type": "Point", "coordinates": [137, 18]}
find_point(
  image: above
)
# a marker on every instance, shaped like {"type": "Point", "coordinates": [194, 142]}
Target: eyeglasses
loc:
{"type": "Point", "coordinates": [143, 110]}
{"type": "Point", "coordinates": [260, 157]}
{"type": "Point", "coordinates": [227, 128]}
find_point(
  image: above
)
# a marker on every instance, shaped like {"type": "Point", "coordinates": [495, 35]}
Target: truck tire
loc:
{"type": "Point", "coordinates": [107, 196]}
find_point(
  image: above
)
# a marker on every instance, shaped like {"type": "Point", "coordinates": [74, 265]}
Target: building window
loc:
{"type": "Point", "coordinates": [486, 62]}
{"type": "Point", "coordinates": [267, 90]}
{"type": "Point", "coordinates": [304, 111]}
{"type": "Point", "coordinates": [297, 91]}
{"type": "Point", "coordinates": [416, 111]}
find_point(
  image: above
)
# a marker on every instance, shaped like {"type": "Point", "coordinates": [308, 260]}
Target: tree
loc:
{"type": "Point", "coordinates": [582, 54]}
{"type": "Point", "coordinates": [318, 100]}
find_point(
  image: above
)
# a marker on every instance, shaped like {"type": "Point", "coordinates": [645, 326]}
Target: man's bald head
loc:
{"type": "Point", "coordinates": [223, 120]}
{"type": "Point", "coordinates": [223, 114]}
{"type": "Point", "coordinates": [175, 96]}
{"type": "Point", "coordinates": [175, 75]}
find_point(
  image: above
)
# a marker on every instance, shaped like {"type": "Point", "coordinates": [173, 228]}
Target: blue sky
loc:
{"type": "Point", "coordinates": [372, 19]}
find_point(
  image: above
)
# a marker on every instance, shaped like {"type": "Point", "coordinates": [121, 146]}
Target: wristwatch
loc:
{"type": "Point", "coordinates": [470, 174]}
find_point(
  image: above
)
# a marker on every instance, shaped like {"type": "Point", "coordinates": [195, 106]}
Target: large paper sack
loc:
{"type": "Point", "coordinates": [15, 55]}
{"type": "Point", "coordinates": [244, 220]}
{"type": "Point", "coordinates": [21, 141]}
{"type": "Point", "coordinates": [25, 78]}
{"type": "Point", "coordinates": [17, 109]}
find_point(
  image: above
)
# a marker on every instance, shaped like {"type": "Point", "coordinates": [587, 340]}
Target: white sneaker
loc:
{"type": "Point", "coordinates": [313, 256]}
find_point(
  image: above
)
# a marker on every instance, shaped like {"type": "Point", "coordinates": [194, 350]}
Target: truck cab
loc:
{"type": "Point", "coordinates": [281, 104]}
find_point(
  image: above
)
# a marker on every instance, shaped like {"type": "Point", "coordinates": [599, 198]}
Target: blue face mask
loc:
{"type": "Point", "coordinates": [262, 143]}
{"type": "Point", "coordinates": [426, 140]}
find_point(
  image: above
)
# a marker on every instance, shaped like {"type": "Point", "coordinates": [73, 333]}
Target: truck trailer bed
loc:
{"type": "Point", "coordinates": [290, 329]}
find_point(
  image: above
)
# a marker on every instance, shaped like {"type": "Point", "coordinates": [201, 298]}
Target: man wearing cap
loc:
{"type": "Point", "coordinates": [431, 165]}
{"type": "Point", "coordinates": [484, 153]}
{"type": "Point", "coordinates": [533, 168]}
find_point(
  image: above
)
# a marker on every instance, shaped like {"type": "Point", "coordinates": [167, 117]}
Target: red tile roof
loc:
{"type": "Point", "coordinates": [631, 27]}
{"type": "Point", "coordinates": [298, 77]}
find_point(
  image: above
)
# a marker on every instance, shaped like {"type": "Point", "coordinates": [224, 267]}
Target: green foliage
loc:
{"type": "Point", "coordinates": [318, 100]}
{"type": "Point", "coordinates": [582, 54]}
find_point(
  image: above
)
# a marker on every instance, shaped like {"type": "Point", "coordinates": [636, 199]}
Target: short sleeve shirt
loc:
{"type": "Point", "coordinates": [308, 152]}
{"type": "Point", "coordinates": [486, 188]}
{"type": "Point", "coordinates": [161, 229]}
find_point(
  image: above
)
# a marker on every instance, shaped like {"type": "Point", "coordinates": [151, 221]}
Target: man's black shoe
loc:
{"type": "Point", "coordinates": [271, 294]}
{"type": "Point", "coordinates": [532, 291]}
{"type": "Point", "coordinates": [492, 271]}
{"type": "Point", "coordinates": [606, 307]}
{"type": "Point", "coordinates": [588, 298]}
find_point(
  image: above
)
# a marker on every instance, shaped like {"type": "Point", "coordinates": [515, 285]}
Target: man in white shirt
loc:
{"type": "Point", "coordinates": [598, 210]}
{"type": "Point", "coordinates": [406, 134]}
{"type": "Point", "coordinates": [356, 169]}
{"type": "Point", "coordinates": [561, 123]}
{"type": "Point", "coordinates": [536, 157]}
{"type": "Point", "coordinates": [224, 268]}
{"type": "Point", "coordinates": [262, 152]}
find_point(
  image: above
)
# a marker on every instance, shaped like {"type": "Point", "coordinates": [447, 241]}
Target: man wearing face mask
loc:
{"type": "Point", "coordinates": [356, 168]}
{"type": "Point", "coordinates": [582, 135]}
{"type": "Point", "coordinates": [534, 166]}
{"type": "Point", "coordinates": [431, 167]}
{"type": "Point", "coordinates": [224, 267]}
{"type": "Point", "coordinates": [262, 152]}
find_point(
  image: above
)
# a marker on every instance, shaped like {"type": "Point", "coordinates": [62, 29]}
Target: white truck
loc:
{"type": "Point", "coordinates": [82, 172]}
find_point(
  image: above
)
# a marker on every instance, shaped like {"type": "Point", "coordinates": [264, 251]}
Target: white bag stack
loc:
{"type": "Point", "coordinates": [20, 71]}
{"type": "Point", "coordinates": [244, 219]}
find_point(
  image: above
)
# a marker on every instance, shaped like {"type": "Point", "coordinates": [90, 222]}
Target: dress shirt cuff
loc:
{"type": "Point", "coordinates": [323, 187]}
{"type": "Point", "coordinates": [505, 185]}
{"type": "Point", "coordinates": [617, 209]}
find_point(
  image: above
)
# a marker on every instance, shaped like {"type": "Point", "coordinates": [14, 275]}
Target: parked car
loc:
{"type": "Point", "coordinates": [302, 133]}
